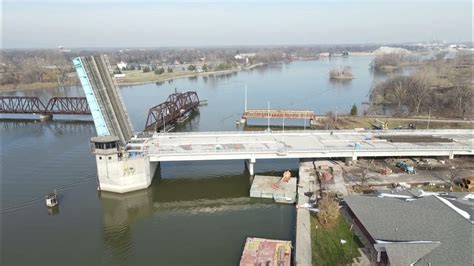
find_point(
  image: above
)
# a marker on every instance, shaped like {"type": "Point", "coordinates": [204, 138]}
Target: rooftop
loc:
{"type": "Point", "coordinates": [422, 230]}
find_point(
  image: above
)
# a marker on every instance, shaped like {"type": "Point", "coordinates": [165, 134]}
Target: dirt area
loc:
{"type": "Point", "coordinates": [429, 171]}
{"type": "Point", "coordinates": [363, 175]}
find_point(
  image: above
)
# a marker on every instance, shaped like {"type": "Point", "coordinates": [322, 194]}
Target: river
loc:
{"type": "Point", "coordinates": [194, 212]}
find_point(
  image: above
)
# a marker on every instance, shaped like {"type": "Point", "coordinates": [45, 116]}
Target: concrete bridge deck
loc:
{"type": "Point", "coordinates": [302, 144]}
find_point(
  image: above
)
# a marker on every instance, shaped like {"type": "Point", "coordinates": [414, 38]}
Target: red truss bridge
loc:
{"type": "Point", "coordinates": [33, 105]}
{"type": "Point", "coordinates": [177, 107]}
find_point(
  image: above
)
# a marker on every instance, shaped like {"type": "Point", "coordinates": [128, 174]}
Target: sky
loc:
{"type": "Point", "coordinates": [164, 23]}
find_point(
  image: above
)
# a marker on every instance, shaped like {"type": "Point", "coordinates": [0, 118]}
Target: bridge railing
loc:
{"type": "Point", "coordinates": [320, 149]}
{"type": "Point", "coordinates": [316, 131]}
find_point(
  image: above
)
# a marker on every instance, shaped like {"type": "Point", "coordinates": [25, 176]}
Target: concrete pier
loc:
{"type": "Point", "coordinates": [250, 166]}
{"type": "Point", "coordinates": [262, 187]}
{"type": "Point", "coordinates": [117, 171]}
{"type": "Point", "coordinates": [303, 255]}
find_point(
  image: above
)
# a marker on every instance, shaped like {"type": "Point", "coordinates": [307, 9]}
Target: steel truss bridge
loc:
{"type": "Point", "coordinates": [33, 105]}
{"type": "Point", "coordinates": [177, 106]}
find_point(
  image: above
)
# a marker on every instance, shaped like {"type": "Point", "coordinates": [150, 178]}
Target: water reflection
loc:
{"type": "Point", "coordinates": [341, 83]}
{"type": "Point", "coordinates": [187, 210]}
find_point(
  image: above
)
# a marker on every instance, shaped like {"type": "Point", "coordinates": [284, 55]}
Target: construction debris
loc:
{"type": "Point", "coordinates": [268, 252]}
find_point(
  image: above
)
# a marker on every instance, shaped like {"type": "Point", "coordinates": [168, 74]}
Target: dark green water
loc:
{"type": "Point", "coordinates": [195, 213]}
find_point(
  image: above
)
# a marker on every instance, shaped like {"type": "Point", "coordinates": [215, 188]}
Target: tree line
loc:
{"type": "Point", "coordinates": [438, 87]}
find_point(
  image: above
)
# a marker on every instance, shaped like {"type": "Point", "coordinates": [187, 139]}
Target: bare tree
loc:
{"type": "Point", "coordinates": [364, 178]}
{"type": "Point", "coordinates": [328, 210]}
{"type": "Point", "coordinates": [453, 175]}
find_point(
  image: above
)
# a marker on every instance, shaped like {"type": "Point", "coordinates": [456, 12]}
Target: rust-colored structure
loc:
{"type": "Point", "coordinates": [176, 106]}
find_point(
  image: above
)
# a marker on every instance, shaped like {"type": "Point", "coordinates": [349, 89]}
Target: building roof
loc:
{"type": "Point", "coordinates": [421, 220]}
{"type": "Point", "coordinates": [408, 253]}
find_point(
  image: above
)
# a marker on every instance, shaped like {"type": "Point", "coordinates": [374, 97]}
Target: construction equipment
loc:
{"type": "Point", "coordinates": [286, 178]}
{"type": "Point", "coordinates": [407, 168]}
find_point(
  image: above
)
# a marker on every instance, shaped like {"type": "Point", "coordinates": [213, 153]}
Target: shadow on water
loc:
{"type": "Point", "coordinates": [341, 83]}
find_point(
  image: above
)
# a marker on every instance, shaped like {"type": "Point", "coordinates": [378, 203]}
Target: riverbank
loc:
{"type": "Point", "coordinates": [136, 77]}
{"type": "Point", "coordinates": [34, 86]}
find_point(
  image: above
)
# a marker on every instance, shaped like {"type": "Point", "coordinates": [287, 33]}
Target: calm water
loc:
{"type": "Point", "coordinates": [194, 212]}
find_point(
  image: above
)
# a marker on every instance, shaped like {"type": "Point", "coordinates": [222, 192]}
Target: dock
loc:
{"type": "Point", "coordinates": [263, 187]}
{"type": "Point", "coordinates": [269, 252]}
{"type": "Point", "coordinates": [303, 253]}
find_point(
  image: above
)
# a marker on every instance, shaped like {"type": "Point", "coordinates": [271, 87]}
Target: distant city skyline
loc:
{"type": "Point", "coordinates": [146, 23]}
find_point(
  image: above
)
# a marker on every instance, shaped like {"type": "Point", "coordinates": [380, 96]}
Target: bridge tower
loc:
{"type": "Point", "coordinates": [118, 170]}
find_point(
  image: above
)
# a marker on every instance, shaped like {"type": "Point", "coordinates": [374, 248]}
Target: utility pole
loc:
{"type": "Point", "coordinates": [283, 123]}
{"type": "Point", "coordinates": [245, 104]}
{"type": "Point", "coordinates": [283, 135]}
{"type": "Point", "coordinates": [304, 128]}
{"type": "Point", "coordinates": [268, 115]}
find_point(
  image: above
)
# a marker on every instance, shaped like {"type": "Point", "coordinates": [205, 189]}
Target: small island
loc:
{"type": "Point", "coordinates": [344, 73]}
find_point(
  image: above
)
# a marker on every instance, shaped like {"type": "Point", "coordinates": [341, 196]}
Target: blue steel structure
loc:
{"type": "Point", "coordinates": [99, 121]}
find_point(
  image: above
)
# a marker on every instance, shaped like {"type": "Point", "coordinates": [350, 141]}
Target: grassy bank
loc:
{"type": "Point", "coordinates": [326, 243]}
{"type": "Point", "coordinates": [32, 86]}
{"type": "Point", "coordinates": [134, 77]}
{"type": "Point", "coordinates": [140, 77]}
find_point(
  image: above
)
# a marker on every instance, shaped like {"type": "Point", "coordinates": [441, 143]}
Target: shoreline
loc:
{"type": "Point", "coordinates": [190, 75]}
{"type": "Point", "coordinates": [51, 85]}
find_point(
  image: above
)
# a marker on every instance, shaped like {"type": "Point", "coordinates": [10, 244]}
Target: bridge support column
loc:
{"type": "Point", "coordinates": [451, 155]}
{"type": "Point", "coordinates": [46, 117]}
{"type": "Point", "coordinates": [352, 158]}
{"type": "Point", "coordinates": [250, 166]}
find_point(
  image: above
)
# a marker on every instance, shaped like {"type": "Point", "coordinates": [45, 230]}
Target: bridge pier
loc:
{"type": "Point", "coordinates": [120, 172]}
{"type": "Point", "coordinates": [46, 117]}
{"type": "Point", "coordinates": [352, 158]}
{"type": "Point", "coordinates": [250, 167]}
{"type": "Point", "coordinates": [451, 156]}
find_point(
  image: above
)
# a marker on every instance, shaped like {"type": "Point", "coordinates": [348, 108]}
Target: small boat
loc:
{"type": "Point", "coordinates": [51, 200]}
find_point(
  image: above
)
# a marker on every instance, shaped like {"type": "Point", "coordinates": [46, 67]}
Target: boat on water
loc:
{"type": "Point", "coordinates": [51, 200]}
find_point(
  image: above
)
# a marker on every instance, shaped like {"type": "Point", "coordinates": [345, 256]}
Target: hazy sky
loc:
{"type": "Point", "coordinates": [147, 23]}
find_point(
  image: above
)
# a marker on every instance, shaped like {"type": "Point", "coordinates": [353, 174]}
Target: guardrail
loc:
{"type": "Point", "coordinates": [323, 149]}
{"type": "Point", "coordinates": [335, 132]}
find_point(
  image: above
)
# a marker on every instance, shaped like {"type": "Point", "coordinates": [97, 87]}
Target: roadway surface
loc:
{"type": "Point", "coordinates": [302, 144]}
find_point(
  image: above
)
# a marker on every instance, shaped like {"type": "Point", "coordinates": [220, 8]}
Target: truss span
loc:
{"type": "Point", "coordinates": [176, 106]}
{"type": "Point", "coordinates": [33, 105]}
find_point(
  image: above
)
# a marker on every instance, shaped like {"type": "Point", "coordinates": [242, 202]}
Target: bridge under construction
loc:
{"type": "Point", "coordinates": [127, 161]}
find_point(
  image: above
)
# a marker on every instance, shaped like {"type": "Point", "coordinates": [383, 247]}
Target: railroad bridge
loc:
{"type": "Point", "coordinates": [33, 105]}
{"type": "Point", "coordinates": [176, 107]}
